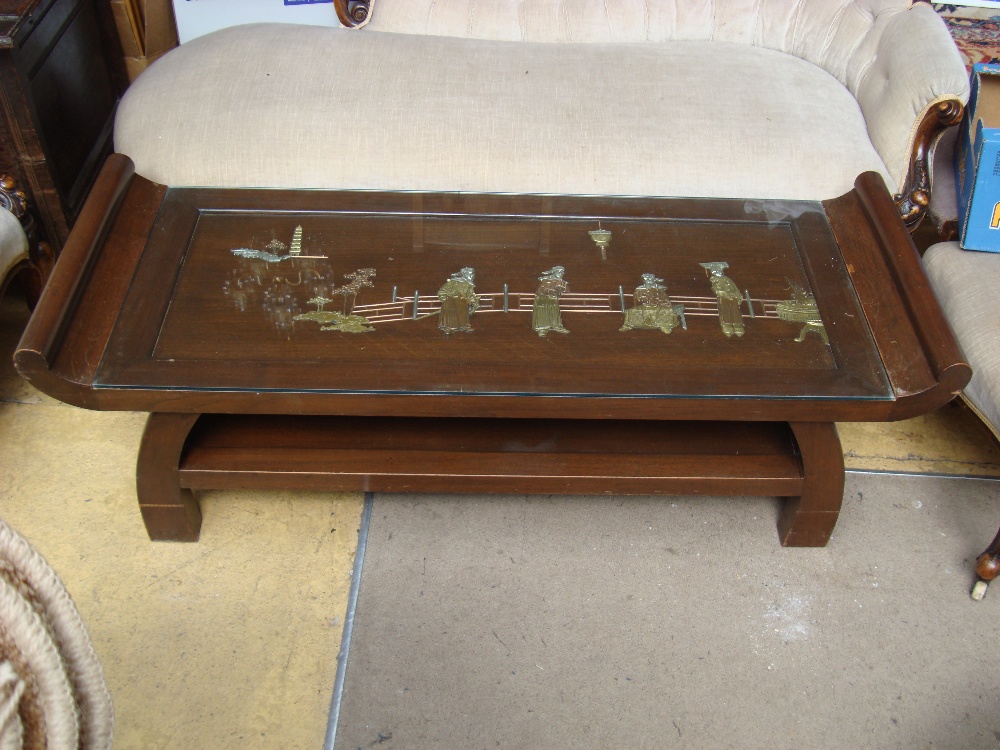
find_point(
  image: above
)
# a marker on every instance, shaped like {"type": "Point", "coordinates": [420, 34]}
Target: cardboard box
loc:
{"type": "Point", "coordinates": [977, 163]}
{"type": "Point", "coordinates": [147, 31]}
{"type": "Point", "coordinates": [198, 17]}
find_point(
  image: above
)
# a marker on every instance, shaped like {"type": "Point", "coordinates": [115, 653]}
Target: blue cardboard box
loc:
{"type": "Point", "coordinates": [977, 163]}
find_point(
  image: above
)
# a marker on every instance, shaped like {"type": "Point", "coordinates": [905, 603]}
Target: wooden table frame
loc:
{"type": "Point", "coordinates": [198, 438]}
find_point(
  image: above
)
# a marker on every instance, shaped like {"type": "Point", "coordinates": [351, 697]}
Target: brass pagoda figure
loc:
{"type": "Point", "coordinates": [458, 301]}
{"type": "Point", "coordinates": [652, 308]}
{"type": "Point", "coordinates": [729, 296]}
{"type": "Point", "coordinates": [545, 314]}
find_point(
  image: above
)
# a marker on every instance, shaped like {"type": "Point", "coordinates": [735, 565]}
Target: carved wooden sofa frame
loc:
{"type": "Point", "coordinates": [35, 267]}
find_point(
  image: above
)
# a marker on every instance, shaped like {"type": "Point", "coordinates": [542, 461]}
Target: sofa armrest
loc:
{"type": "Point", "coordinates": [911, 84]}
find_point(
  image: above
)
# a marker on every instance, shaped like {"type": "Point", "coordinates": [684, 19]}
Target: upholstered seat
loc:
{"type": "Point", "coordinates": [966, 284]}
{"type": "Point", "coordinates": [421, 113]}
{"type": "Point", "coordinates": [766, 99]}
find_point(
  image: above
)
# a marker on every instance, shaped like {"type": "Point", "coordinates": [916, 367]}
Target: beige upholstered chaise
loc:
{"type": "Point", "coordinates": [710, 98]}
{"type": "Point", "coordinates": [966, 284]}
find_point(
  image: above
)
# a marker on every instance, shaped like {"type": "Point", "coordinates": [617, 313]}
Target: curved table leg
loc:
{"type": "Point", "coordinates": [170, 512]}
{"type": "Point", "coordinates": [808, 520]}
{"type": "Point", "coordinates": [987, 568]}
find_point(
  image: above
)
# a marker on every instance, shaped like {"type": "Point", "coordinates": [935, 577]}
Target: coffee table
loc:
{"type": "Point", "coordinates": [468, 343]}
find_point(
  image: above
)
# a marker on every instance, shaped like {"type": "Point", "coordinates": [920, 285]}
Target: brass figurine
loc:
{"type": "Point", "coordinates": [458, 301]}
{"type": "Point", "coordinates": [802, 309]}
{"type": "Point", "coordinates": [284, 292]}
{"type": "Point", "coordinates": [729, 297]}
{"type": "Point", "coordinates": [601, 238]}
{"type": "Point", "coordinates": [652, 308]}
{"type": "Point", "coordinates": [545, 314]}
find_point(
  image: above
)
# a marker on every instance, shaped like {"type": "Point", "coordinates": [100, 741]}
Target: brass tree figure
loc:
{"type": "Point", "coordinates": [358, 280]}
{"type": "Point", "coordinates": [320, 302]}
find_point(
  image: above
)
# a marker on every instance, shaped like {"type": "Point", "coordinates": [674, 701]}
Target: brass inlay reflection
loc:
{"type": "Point", "coordinates": [545, 313]}
{"type": "Point", "coordinates": [652, 307]}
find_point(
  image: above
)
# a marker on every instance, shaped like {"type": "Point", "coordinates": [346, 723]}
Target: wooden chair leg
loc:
{"type": "Point", "coordinates": [808, 520]}
{"type": "Point", "coordinates": [987, 568]}
{"type": "Point", "coordinates": [169, 511]}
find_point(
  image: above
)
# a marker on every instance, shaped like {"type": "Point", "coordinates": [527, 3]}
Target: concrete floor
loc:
{"type": "Point", "coordinates": [232, 642]}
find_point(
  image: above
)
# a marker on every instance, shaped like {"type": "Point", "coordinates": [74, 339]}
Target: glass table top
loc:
{"type": "Point", "coordinates": [490, 295]}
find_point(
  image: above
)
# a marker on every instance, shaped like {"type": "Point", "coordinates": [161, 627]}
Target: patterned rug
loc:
{"type": "Point", "coordinates": [976, 31]}
{"type": "Point", "coordinates": [52, 688]}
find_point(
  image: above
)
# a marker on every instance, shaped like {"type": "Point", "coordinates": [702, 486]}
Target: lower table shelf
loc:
{"type": "Point", "coordinates": [800, 461]}
{"type": "Point", "coordinates": [491, 455]}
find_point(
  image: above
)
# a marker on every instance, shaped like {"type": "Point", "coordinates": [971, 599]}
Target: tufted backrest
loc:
{"type": "Point", "coordinates": [855, 41]}
{"type": "Point", "coordinates": [823, 32]}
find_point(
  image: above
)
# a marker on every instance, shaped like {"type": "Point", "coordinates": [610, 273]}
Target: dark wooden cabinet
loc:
{"type": "Point", "coordinates": [61, 77]}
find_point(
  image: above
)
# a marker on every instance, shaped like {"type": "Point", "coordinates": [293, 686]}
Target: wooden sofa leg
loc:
{"type": "Point", "coordinates": [987, 568]}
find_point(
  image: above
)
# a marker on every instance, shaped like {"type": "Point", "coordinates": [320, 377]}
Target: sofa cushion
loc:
{"type": "Point", "coordinates": [966, 284]}
{"type": "Point", "coordinates": [329, 108]}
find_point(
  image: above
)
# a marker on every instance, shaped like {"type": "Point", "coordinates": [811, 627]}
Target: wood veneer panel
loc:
{"type": "Point", "coordinates": [466, 455]}
{"type": "Point", "coordinates": [901, 350]}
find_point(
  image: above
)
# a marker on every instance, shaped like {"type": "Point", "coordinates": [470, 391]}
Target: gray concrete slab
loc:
{"type": "Point", "coordinates": [517, 622]}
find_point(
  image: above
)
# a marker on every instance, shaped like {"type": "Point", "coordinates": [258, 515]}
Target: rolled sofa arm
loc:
{"type": "Point", "coordinates": [911, 83]}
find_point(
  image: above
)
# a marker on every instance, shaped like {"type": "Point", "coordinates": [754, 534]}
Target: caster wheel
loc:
{"type": "Point", "coordinates": [979, 590]}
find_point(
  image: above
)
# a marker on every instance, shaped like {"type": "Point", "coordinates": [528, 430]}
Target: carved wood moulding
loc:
{"type": "Point", "coordinates": [915, 196]}
{"type": "Point", "coordinates": [12, 197]}
{"type": "Point", "coordinates": [41, 257]}
{"type": "Point", "coordinates": [352, 12]}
